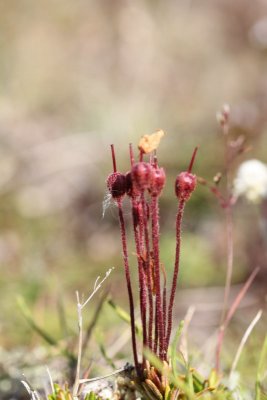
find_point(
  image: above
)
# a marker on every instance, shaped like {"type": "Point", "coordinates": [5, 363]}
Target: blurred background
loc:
{"type": "Point", "coordinates": [79, 75]}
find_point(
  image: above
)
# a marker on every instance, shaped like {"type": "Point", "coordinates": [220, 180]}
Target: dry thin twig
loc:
{"type": "Point", "coordinates": [80, 307]}
{"type": "Point", "coordinates": [183, 340]}
{"type": "Point", "coordinates": [94, 320]}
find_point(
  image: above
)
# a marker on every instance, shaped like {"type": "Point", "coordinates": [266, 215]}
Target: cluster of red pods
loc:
{"type": "Point", "coordinates": [143, 185]}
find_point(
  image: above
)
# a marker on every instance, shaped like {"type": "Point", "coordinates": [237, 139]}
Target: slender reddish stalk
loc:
{"type": "Point", "coordinates": [140, 261]}
{"type": "Point", "coordinates": [128, 281]}
{"type": "Point", "coordinates": [164, 307]}
{"type": "Point", "coordinates": [179, 217]}
{"type": "Point", "coordinates": [155, 242]}
{"type": "Point", "coordinates": [148, 274]}
{"type": "Point", "coordinates": [150, 288]}
{"type": "Point", "coordinates": [141, 238]}
{"type": "Point", "coordinates": [113, 158]}
{"type": "Point", "coordinates": [230, 258]}
{"type": "Point", "coordinates": [147, 281]}
{"type": "Point", "coordinates": [192, 160]}
{"type": "Point", "coordinates": [156, 333]}
{"type": "Point", "coordinates": [151, 307]}
{"type": "Point", "coordinates": [131, 154]}
{"type": "Point", "coordinates": [229, 223]}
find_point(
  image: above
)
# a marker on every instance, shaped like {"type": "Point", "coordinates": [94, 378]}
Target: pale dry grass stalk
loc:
{"type": "Point", "coordinates": [33, 393]}
{"type": "Point", "coordinates": [243, 341]}
{"type": "Point", "coordinates": [80, 307]}
{"type": "Point", "coordinates": [230, 314]}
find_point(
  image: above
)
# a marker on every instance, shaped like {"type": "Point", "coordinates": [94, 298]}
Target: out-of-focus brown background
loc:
{"type": "Point", "coordinates": [79, 75]}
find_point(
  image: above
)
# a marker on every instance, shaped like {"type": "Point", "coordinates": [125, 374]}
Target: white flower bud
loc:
{"type": "Point", "coordinates": [251, 181]}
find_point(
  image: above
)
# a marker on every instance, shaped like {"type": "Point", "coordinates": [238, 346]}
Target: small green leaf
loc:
{"type": "Point", "coordinates": [260, 371]}
{"type": "Point", "coordinates": [27, 315]}
{"type": "Point", "coordinates": [124, 316]}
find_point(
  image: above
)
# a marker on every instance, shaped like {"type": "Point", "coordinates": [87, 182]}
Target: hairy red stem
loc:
{"type": "Point", "coordinates": [131, 154]}
{"type": "Point", "coordinates": [140, 261]}
{"type": "Point", "coordinates": [113, 158]}
{"type": "Point", "coordinates": [192, 160]}
{"type": "Point", "coordinates": [156, 333]}
{"type": "Point", "coordinates": [230, 258]}
{"type": "Point", "coordinates": [129, 285]}
{"type": "Point", "coordinates": [149, 283]}
{"type": "Point", "coordinates": [179, 218]}
{"type": "Point", "coordinates": [147, 269]}
{"type": "Point", "coordinates": [164, 296]}
{"type": "Point", "coordinates": [155, 242]}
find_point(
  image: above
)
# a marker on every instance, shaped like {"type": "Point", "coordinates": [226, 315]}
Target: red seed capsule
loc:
{"type": "Point", "coordinates": [185, 184]}
{"type": "Point", "coordinates": [158, 181]}
{"type": "Point", "coordinates": [131, 190]}
{"type": "Point", "coordinates": [116, 183]}
{"type": "Point", "coordinates": [142, 175]}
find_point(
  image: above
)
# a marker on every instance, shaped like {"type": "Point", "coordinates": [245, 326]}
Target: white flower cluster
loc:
{"type": "Point", "coordinates": [251, 181]}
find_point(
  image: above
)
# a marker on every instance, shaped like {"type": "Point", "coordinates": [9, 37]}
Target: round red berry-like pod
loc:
{"type": "Point", "coordinates": [185, 184]}
{"type": "Point", "coordinates": [116, 183]}
{"type": "Point", "coordinates": [142, 175]}
{"type": "Point", "coordinates": [158, 181]}
{"type": "Point", "coordinates": [131, 190]}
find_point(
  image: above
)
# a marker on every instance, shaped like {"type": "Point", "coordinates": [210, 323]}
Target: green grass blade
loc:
{"type": "Point", "coordinates": [25, 311]}
{"type": "Point", "coordinates": [260, 370]}
{"type": "Point", "coordinates": [174, 347]}
{"type": "Point", "coordinates": [28, 316]}
{"type": "Point", "coordinates": [123, 315]}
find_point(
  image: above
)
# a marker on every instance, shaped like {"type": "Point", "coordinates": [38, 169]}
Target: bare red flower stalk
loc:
{"type": "Point", "coordinates": [151, 306]}
{"type": "Point", "coordinates": [141, 265]}
{"type": "Point", "coordinates": [225, 114]}
{"type": "Point", "coordinates": [139, 213]}
{"type": "Point", "coordinates": [148, 179]}
{"type": "Point", "coordinates": [192, 160]}
{"type": "Point", "coordinates": [113, 158]}
{"type": "Point", "coordinates": [131, 154]}
{"type": "Point", "coordinates": [164, 305]}
{"type": "Point", "coordinates": [179, 217]}
{"type": "Point", "coordinates": [185, 184]}
{"type": "Point", "coordinates": [155, 243]}
{"type": "Point", "coordinates": [155, 189]}
{"type": "Point", "coordinates": [156, 333]}
{"type": "Point", "coordinates": [125, 255]}
{"type": "Point", "coordinates": [146, 261]}
{"type": "Point", "coordinates": [148, 269]}
{"type": "Point", "coordinates": [128, 281]}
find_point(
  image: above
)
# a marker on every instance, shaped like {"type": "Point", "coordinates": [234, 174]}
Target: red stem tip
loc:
{"type": "Point", "coordinates": [131, 154]}
{"type": "Point", "coordinates": [113, 158]}
{"type": "Point", "coordinates": [192, 160]}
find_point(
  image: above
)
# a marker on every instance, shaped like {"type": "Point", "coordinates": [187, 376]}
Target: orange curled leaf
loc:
{"type": "Point", "coordinates": [148, 143]}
